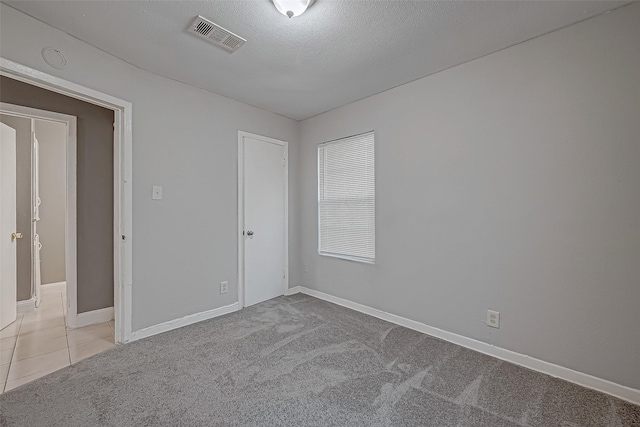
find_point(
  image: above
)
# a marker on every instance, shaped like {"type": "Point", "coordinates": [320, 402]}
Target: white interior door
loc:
{"type": "Point", "coordinates": [265, 198]}
{"type": "Point", "coordinates": [8, 245]}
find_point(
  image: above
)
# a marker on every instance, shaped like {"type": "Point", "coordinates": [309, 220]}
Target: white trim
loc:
{"type": "Point", "coordinates": [56, 84]}
{"type": "Point", "coordinates": [122, 140]}
{"type": "Point", "coordinates": [54, 283]}
{"type": "Point", "coordinates": [35, 176]}
{"type": "Point", "coordinates": [70, 234]}
{"type": "Point", "coordinates": [623, 392]}
{"type": "Point", "coordinates": [240, 229]}
{"type": "Point", "coordinates": [183, 321]}
{"type": "Point", "coordinates": [26, 306]}
{"type": "Point", "coordinates": [92, 317]}
{"type": "Point", "coordinates": [285, 145]}
{"type": "Point", "coordinates": [293, 291]}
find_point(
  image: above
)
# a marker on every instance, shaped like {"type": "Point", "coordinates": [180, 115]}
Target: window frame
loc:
{"type": "Point", "coordinates": [365, 260]}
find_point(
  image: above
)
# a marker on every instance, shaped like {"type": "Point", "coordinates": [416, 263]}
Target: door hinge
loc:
{"type": "Point", "coordinates": [284, 163]}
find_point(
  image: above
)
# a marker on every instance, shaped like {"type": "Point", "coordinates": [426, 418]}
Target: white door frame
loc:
{"type": "Point", "coordinates": [70, 235]}
{"type": "Point", "coordinates": [285, 282]}
{"type": "Point", "coordinates": [122, 174]}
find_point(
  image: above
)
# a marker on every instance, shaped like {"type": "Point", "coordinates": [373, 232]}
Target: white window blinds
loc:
{"type": "Point", "coordinates": [346, 198]}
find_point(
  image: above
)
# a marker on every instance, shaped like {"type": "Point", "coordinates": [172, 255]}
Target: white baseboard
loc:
{"type": "Point", "coordinates": [54, 283]}
{"type": "Point", "coordinates": [183, 321]}
{"type": "Point", "coordinates": [623, 392]}
{"type": "Point", "coordinates": [294, 290]}
{"type": "Point", "coordinates": [26, 306]}
{"type": "Point", "coordinates": [92, 317]}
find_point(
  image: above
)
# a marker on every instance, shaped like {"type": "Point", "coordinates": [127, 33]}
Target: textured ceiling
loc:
{"type": "Point", "coordinates": [334, 54]}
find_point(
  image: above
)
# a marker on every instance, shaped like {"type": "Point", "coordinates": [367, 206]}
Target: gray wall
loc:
{"type": "Point", "coordinates": [23, 200]}
{"type": "Point", "coordinates": [52, 137]}
{"type": "Point", "coordinates": [510, 183]}
{"type": "Point", "coordinates": [184, 139]}
{"type": "Point", "coordinates": [94, 187]}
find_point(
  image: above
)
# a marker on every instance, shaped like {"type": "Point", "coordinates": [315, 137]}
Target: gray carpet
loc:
{"type": "Point", "coordinates": [299, 361]}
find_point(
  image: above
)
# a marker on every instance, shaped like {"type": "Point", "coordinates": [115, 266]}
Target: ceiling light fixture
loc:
{"type": "Point", "coordinates": [292, 8]}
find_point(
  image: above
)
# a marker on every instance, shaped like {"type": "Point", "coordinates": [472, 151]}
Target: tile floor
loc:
{"type": "Point", "coordinates": [39, 343]}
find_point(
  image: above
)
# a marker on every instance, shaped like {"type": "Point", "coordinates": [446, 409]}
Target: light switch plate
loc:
{"type": "Point", "coordinates": [156, 193]}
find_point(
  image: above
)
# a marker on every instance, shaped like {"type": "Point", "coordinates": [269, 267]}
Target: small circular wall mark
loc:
{"type": "Point", "coordinates": [54, 57]}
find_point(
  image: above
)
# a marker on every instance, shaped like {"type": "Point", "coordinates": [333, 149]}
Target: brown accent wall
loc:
{"type": "Point", "coordinates": [94, 186]}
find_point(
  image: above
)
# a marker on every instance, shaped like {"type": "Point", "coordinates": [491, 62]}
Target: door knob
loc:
{"type": "Point", "coordinates": [249, 233]}
{"type": "Point", "coordinates": [15, 236]}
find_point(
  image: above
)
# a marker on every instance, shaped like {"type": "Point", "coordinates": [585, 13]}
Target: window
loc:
{"type": "Point", "coordinates": [346, 198]}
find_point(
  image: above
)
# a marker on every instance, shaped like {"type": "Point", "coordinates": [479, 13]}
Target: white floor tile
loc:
{"type": "Point", "coordinates": [44, 362]}
{"type": "Point", "coordinates": [30, 347]}
{"type": "Point", "coordinates": [39, 325]}
{"type": "Point", "coordinates": [42, 315]}
{"type": "Point", "coordinates": [37, 344]}
{"type": "Point", "coordinates": [4, 371]}
{"type": "Point", "coordinates": [5, 356]}
{"type": "Point", "coordinates": [46, 308]}
{"type": "Point", "coordinates": [88, 333]}
{"type": "Point", "coordinates": [11, 330]}
{"type": "Point", "coordinates": [90, 349]}
{"type": "Point", "coordinates": [7, 343]}
{"type": "Point", "coordinates": [10, 385]}
{"type": "Point", "coordinates": [45, 334]}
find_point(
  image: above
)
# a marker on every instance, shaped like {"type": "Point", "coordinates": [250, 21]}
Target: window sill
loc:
{"type": "Point", "coordinates": [348, 258]}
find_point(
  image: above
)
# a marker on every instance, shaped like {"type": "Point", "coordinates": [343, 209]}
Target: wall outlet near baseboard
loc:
{"type": "Point", "coordinates": [493, 318]}
{"type": "Point", "coordinates": [156, 193]}
{"type": "Point", "coordinates": [224, 287]}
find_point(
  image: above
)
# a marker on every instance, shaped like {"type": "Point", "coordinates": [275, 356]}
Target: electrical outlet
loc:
{"type": "Point", "coordinates": [493, 318]}
{"type": "Point", "coordinates": [224, 287]}
{"type": "Point", "coordinates": [156, 194]}
{"type": "Point", "coordinates": [305, 268]}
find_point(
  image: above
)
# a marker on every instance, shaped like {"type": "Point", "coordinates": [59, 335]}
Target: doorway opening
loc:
{"type": "Point", "coordinates": [40, 265]}
{"type": "Point", "coordinates": [119, 229]}
{"type": "Point", "coordinates": [121, 226]}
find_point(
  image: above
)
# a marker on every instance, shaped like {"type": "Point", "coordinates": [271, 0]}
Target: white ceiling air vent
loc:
{"type": "Point", "coordinates": [215, 34]}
